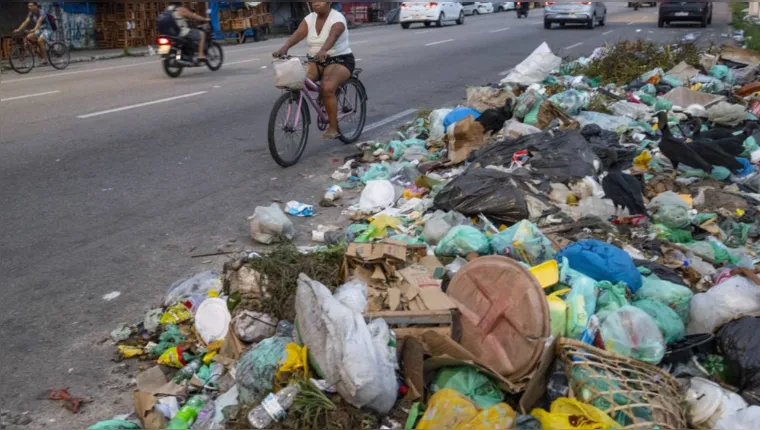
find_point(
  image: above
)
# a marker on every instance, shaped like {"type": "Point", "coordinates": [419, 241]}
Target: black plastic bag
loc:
{"type": "Point", "coordinates": [495, 194]}
{"type": "Point", "coordinates": [739, 342]}
{"type": "Point", "coordinates": [606, 145]}
{"type": "Point", "coordinates": [560, 155]}
{"type": "Point", "coordinates": [663, 272]}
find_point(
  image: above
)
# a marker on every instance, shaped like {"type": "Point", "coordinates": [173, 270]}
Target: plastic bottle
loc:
{"type": "Point", "coordinates": [273, 407]}
{"type": "Point", "coordinates": [187, 414]}
{"type": "Point", "coordinates": [334, 193]}
{"type": "Point", "coordinates": [188, 371]}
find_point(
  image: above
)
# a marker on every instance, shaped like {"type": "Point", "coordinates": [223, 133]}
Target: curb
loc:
{"type": "Point", "coordinates": [5, 66]}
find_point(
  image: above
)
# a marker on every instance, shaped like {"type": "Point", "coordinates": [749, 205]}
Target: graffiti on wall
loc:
{"type": "Point", "coordinates": [75, 29]}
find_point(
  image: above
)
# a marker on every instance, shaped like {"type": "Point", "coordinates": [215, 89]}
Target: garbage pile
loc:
{"type": "Point", "coordinates": [574, 247]}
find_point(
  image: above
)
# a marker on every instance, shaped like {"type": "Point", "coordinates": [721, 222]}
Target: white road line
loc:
{"type": "Point", "coordinates": [608, 32]}
{"type": "Point", "coordinates": [55, 75]}
{"type": "Point", "coordinates": [575, 45]}
{"type": "Point", "coordinates": [499, 30]}
{"type": "Point", "coordinates": [631, 23]}
{"type": "Point", "coordinates": [241, 62]}
{"type": "Point", "coordinates": [504, 73]}
{"type": "Point", "coordinates": [28, 96]}
{"type": "Point", "coordinates": [105, 112]}
{"type": "Point", "coordinates": [389, 120]}
{"type": "Point", "coordinates": [439, 42]}
{"type": "Point", "coordinates": [360, 42]}
{"type": "Point", "coordinates": [423, 31]}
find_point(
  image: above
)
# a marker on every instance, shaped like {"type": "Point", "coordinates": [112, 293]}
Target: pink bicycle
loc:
{"type": "Point", "coordinates": [290, 119]}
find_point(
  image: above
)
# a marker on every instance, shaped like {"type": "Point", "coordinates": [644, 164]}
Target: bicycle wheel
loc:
{"type": "Point", "coordinates": [59, 55]}
{"type": "Point", "coordinates": [352, 105]}
{"type": "Point", "coordinates": [287, 140]}
{"type": "Point", "coordinates": [22, 59]}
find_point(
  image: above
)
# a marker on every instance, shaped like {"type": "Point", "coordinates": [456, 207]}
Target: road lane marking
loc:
{"type": "Point", "coordinates": [105, 112]}
{"type": "Point", "coordinates": [389, 120]}
{"type": "Point", "coordinates": [439, 42]}
{"type": "Point", "coordinates": [360, 42]}
{"type": "Point", "coordinates": [55, 75]}
{"type": "Point", "coordinates": [241, 62]}
{"type": "Point", "coordinates": [631, 23]}
{"type": "Point", "coordinates": [575, 45]}
{"type": "Point", "coordinates": [499, 30]}
{"type": "Point", "coordinates": [608, 32]}
{"type": "Point", "coordinates": [423, 31]}
{"type": "Point", "coordinates": [505, 73]}
{"type": "Point", "coordinates": [28, 96]}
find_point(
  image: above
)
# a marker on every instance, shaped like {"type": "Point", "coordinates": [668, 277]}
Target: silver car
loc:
{"type": "Point", "coordinates": [586, 12]}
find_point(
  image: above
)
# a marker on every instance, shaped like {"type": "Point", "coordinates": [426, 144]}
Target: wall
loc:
{"type": "Point", "coordinates": [76, 29]}
{"type": "Point", "coordinates": [12, 14]}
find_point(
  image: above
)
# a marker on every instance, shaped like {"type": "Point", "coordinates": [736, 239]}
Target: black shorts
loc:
{"type": "Point", "coordinates": [348, 61]}
{"type": "Point", "coordinates": [194, 35]}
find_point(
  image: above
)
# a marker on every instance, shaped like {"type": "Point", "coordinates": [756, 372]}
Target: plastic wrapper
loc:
{"type": "Point", "coordinates": [535, 68]}
{"type": "Point", "coordinates": [731, 299]}
{"type": "Point", "coordinates": [378, 171]}
{"type": "Point", "coordinates": [448, 409]}
{"type": "Point", "coordinates": [636, 111]}
{"type": "Point", "coordinates": [676, 297]}
{"type": "Point", "coordinates": [523, 242]}
{"type": "Point", "coordinates": [611, 298]}
{"type": "Point", "coordinates": [289, 74]}
{"type": "Point", "coordinates": [256, 370]}
{"type": "Point", "coordinates": [440, 224]}
{"type": "Point", "coordinates": [670, 324]}
{"type": "Point", "coordinates": [573, 101]}
{"type": "Point", "coordinates": [581, 303]}
{"type": "Point", "coordinates": [378, 194]}
{"type": "Point", "coordinates": [270, 224]}
{"type": "Point", "coordinates": [201, 284]}
{"type": "Point", "coordinates": [570, 414]}
{"type": "Point", "coordinates": [469, 381]}
{"type": "Point", "coordinates": [605, 121]}
{"type": "Point", "coordinates": [463, 240]}
{"type": "Point", "coordinates": [724, 113]}
{"type": "Point", "coordinates": [631, 332]}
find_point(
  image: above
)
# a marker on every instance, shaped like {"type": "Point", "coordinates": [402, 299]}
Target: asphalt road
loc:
{"type": "Point", "coordinates": [107, 187]}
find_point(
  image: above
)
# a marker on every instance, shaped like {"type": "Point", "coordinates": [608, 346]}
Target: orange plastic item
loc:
{"type": "Point", "coordinates": [748, 89]}
{"type": "Point", "coordinates": [505, 315]}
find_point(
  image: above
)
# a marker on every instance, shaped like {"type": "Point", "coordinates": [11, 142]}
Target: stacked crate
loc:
{"type": "Point", "coordinates": [245, 18]}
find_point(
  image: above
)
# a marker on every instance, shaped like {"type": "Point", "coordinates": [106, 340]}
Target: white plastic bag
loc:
{"type": "Point", "coordinates": [637, 111]}
{"type": "Point", "coordinates": [378, 194]}
{"type": "Point", "coordinates": [200, 284]}
{"type": "Point", "coordinates": [269, 224]}
{"type": "Point", "coordinates": [353, 356]}
{"type": "Point", "coordinates": [731, 299]}
{"type": "Point", "coordinates": [535, 68]}
{"type": "Point", "coordinates": [746, 419]}
{"type": "Point", "coordinates": [289, 74]}
{"type": "Point", "coordinates": [631, 332]}
{"type": "Point", "coordinates": [437, 131]}
{"type": "Point", "coordinates": [514, 129]}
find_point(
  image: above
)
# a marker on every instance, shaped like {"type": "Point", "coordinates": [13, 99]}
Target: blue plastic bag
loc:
{"type": "Point", "coordinates": [602, 262]}
{"type": "Point", "coordinates": [459, 114]}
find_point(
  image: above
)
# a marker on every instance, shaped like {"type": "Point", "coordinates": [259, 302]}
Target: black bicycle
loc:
{"type": "Point", "coordinates": [24, 54]}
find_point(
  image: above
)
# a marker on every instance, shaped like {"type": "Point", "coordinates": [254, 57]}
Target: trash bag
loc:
{"type": "Point", "coordinates": [484, 191]}
{"type": "Point", "coordinates": [672, 80]}
{"type": "Point", "coordinates": [457, 115]}
{"type": "Point", "coordinates": [605, 121]}
{"type": "Point", "coordinates": [570, 414]}
{"type": "Point", "coordinates": [674, 217]}
{"type": "Point", "coordinates": [631, 332]}
{"type": "Point", "coordinates": [356, 358]}
{"type": "Point", "coordinates": [671, 325]}
{"type": "Point", "coordinates": [468, 381]}
{"type": "Point", "coordinates": [378, 194]}
{"type": "Point", "coordinates": [200, 284]}
{"type": "Point", "coordinates": [376, 172]}
{"type": "Point", "coordinates": [676, 297]}
{"type": "Point", "coordinates": [560, 155]}
{"type": "Point", "coordinates": [270, 224]}
{"type": "Point", "coordinates": [483, 98]}
{"type": "Point", "coordinates": [256, 369]}
{"type": "Point", "coordinates": [637, 111]}
{"type": "Point", "coordinates": [739, 342]}
{"type": "Point", "coordinates": [602, 262]}
{"type": "Point", "coordinates": [289, 74]}
{"type": "Point", "coordinates": [440, 224]}
{"type": "Point", "coordinates": [664, 273]}
{"type": "Point", "coordinates": [535, 68]}
{"type": "Point", "coordinates": [611, 298]}
{"type": "Point", "coordinates": [725, 113]}
{"type": "Point", "coordinates": [462, 240]}
{"type": "Point", "coordinates": [523, 242]}
{"type": "Point", "coordinates": [722, 72]}
{"type": "Point", "coordinates": [606, 145]}
{"type": "Point", "coordinates": [573, 101]}
{"type": "Point", "coordinates": [663, 104]}
{"type": "Point", "coordinates": [448, 409]}
{"type": "Point", "coordinates": [581, 303]}
{"type": "Point", "coordinates": [528, 102]}
{"type": "Point", "coordinates": [514, 129]}
{"type": "Point", "coordinates": [745, 419]}
{"type": "Point", "coordinates": [733, 298]}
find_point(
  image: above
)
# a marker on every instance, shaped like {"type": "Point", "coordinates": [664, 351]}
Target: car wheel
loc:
{"type": "Point", "coordinates": [405, 25]}
{"type": "Point", "coordinates": [439, 23]}
{"type": "Point", "coordinates": [547, 24]}
{"type": "Point", "coordinates": [590, 24]}
{"type": "Point", "coordinates": [460, 21]}
{"type": "Point", "coordinates": [427, 23]}
{"type": "Point", "coordinates": [501, 9]}
{"type": "Point", "coordinates": [660, 22]}
{"type": "Point", "coordinates": [603, 21]}
{"type": "Point", "coordinates": [475, 13]}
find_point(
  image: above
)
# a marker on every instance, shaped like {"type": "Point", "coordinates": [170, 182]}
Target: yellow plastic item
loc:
{"type": "Point", "coordinates": [688, 199]}
{"type": "Point", "coordinates": [696, 87]}
{"type": "Point", "coordinates": [209, 356]}
{"type": "Point", "coordinates": [547, 273]}
{"type": "Point", "coordinates": [740, 212]}
{"type": "Point", "coordinates": [448, 409]}
{"type": "Point", "coordinates": [176, 314]}
{"type": "Point", "coordinates": [296, 362]}
{"type": "Point", "coordinates": [558, 313]}
{"type": "Point", "coordinates": [172, 357]}
{"type": "Point", "coordinates": [382, 222]}
{"type": "Point", "coordinates": [642, 161]}
{"type": "Point", "coordinates": [130, 351]}
{"type": "Point", "coordinates": [570, 414]}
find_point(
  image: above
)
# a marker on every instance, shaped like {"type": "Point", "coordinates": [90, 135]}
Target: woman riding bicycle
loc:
{"type": "Point", "coordinates": [326, 33]}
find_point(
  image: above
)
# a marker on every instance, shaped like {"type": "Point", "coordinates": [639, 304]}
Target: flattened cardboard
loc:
{"type": "Point", "coordinates": [536, 387]}
{"type": "Point", "coordinates": [154, 381]}
{"type": "Point", "coordinates": [394, 299]}
{"type": "Point", "coordinates": [428, 288]}
{"type": "Point", "coordinates": [232, 347]}
{"type": "Point", "coordinates": [413, 358]}
{"type": "Point", "coordinates": [376, 251]}
{"type": "Point", "coordinates": [150, 419]}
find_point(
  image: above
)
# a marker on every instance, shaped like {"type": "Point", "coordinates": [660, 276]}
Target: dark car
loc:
{"type": "Point", "coordinates": [685, 11]}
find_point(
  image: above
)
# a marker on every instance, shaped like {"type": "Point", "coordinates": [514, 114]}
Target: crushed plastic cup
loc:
{"type": "Point", "coordinates": [299, 209]}
{"type": "Point", "coordinates": [333, 193]}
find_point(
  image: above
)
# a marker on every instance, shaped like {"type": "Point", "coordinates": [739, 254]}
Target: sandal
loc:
{"type": "Point", "coordinates": [330, 135]}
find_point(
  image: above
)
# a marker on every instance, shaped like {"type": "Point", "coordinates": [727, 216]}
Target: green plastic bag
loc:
{"type": "Point", "coordinates": [645, 98]}
{"type": "Point", "coordinates": [671, 80]}
{"type": "Point", "coordinates": [676, 297]}
{"type": "Point", "coordinates": [397, 148]}
{"type": "Point", "coordinates": [674, 235]}
{"type": "Point", "coordinates": [467, 381]}
{"type": "Point", "coordinates": [611, 298]}
{"type": "Point", "coordinates": [631, 332]}
{"type": "Point", "coordinates": [649, 89]}
{"type": "Point", "coordinates": [581, 303]}
{"type": "Point", "coordinates": [670, 324]}
{"type": "Point", "coordinates": [673, 216]}
{"type": "Point", "coordinates": [750, 146]}
{"type": "Point", "coordinates": [662, 105]}
{"type": "Point", "coordinates": [376, 172]}
{"type": "Point", "coordinates": [524, 242]}
{"type": "Point", "coordinates": [462, 240]}
{"type": "Point", "coordinates": [722, 72]}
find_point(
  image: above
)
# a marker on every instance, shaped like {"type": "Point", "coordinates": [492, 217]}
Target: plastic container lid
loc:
{"type": "Point", "coordinates": [704, 397]}
{"type": "Point", "coordinates": [212, 320]}
{"type": "Point", "coordinates": [504, 314]}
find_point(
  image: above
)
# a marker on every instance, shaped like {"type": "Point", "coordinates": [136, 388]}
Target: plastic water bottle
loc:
{"type": "Point", "coordinates": [187, 372]}
{"type": "Point", "coordinates": [187, 414]}
{"type": "Point", "coordinates": [273, 407]}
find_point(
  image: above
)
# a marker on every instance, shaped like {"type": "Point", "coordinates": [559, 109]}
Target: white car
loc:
{"type": "Point", "coordinates": [503, 6]}
{"type": "Point", "coordinates": [477, 7]}
{"type": "Point", "coordinates": [413, 12]}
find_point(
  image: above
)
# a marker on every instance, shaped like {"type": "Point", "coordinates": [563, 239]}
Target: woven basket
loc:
{"type": "Point", "coordinates": [635, 394]}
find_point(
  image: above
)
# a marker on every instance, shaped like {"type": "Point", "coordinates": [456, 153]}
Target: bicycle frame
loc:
{"type": "Point", "coordinates": [306, 93]}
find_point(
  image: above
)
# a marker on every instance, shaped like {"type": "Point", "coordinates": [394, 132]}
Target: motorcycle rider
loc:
{"type": "Point", "coordinates": [181, 14]}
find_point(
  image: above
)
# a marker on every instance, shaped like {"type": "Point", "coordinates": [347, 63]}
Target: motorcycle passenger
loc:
{"type": "Point", "coordinates": [181, 14]}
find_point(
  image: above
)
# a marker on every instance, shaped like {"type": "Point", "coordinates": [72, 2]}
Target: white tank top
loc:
{"type": "Point", "coordinates": [316, 41]}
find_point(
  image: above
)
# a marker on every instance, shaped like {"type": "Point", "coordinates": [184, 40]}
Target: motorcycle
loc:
{"type": "Point", "coordinates": [522, 9]}
{"type": "Point", "coordinates": [635, 5]}
{"type": "Point", "coordinates": [179, 53]}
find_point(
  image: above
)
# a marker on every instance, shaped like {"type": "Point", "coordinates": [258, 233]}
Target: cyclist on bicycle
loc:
{"type": "Point", "coordinates": [42, 32]}
{"type": "Point", "coordinates": [181, 14]}
{"type": "Point", "coordinates": [326, 34]}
